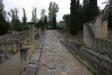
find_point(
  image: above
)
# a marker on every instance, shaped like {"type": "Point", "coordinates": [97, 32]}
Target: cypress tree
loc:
{"type": "Point", "coordinates": [45, 22]}
{"type": "Point", "coordinates": [75, 17]}
{"type": "Point", "coordinates": [91, 10]}
{"type": "Point", "coordinates": [53, 9]}
{"type": "Point", "coordinates": [72, 17]}
{"type": "Point", "coordinates": [24, 19]}
{"type": "Point", "coordinates": [4, 26]}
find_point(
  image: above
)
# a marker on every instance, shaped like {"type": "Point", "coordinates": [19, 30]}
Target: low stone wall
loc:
{"type": "Point", "coordinates": [12, 42]}
{"type": "Point", "coordinates": [101, 61]}
{"type": "Point", "coordinates": [6, 48]}
{"type": "Point", "coordinates": [97, 61]}
{"type": "Point", "coordinates": [104, 46]}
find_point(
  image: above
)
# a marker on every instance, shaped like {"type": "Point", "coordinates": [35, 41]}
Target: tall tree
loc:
{"type": "Point", "coordinates": [3, 24]}
{"type": "Point", "coordinates": [15, 22]}
{"type": "Point", "coordinates": [24, 19]}
{"type": "Point", "coordinates": [53, 9]}
{"type": "Point", "coordinates": [75, 17]}
{"type": "Point", "coordinates": [66, 19]}
{"type": "Point", "coordinates": [34, 15]}
{"type": "Point", "coordinates": [42, 18]}
{"type": "Point", "coordinates": [50, 13]}
{"type": "Point", "coordinates": [43, 14]}
{"type": "Point", "coordinates": [45, 22]}
{"type": "Point", "coordinates": [91, 10]}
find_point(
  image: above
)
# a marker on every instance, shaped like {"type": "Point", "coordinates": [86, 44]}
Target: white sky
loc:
{"type": "Point", "coordinates": [64, 6]}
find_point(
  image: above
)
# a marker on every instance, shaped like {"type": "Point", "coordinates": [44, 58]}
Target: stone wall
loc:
{"type": "Point", "coordinates": [100, 61]}
{"type": "Point", "coordinates": [102, 46]}
{"type": "Point", "coordinates": [6, 48]}
{"type": "Point", "coordinates": [88, 36]}
{"type": "Point", "coordinates": [12, 42]}
{"type": "Point", "coordinates": [98, 42]}
{"type": "Point", "coordinates": [100, 27]}
{"type": "Point", "coordinates": [98, 50]}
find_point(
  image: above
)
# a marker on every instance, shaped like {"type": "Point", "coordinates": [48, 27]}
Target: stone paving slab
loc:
{"type": "Point", "coordinates": [34, 61]}
{"type": "Point", "coordinates": [57, 60]}
{"type": "Point", "coordinates": [33, 64]}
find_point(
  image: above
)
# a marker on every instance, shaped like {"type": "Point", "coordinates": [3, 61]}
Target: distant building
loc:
{"type": "Point", "coordinates": [61, 24]}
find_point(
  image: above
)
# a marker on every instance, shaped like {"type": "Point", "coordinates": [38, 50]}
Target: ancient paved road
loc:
{"type": "Point", "coordinates": [57, 60]}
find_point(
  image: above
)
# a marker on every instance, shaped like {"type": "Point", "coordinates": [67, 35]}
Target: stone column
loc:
{"type": "Point", "coordinates": [32, 34]}
{"type": "Point", "coordinates": [15, 47]}
{"type": "Point", "coordinates": [2, 56]}
{"type": "Point", "coordinates": [40, 34]}
{"type": "Point", "coordinates": [105, 29]}
{"type": "Point", "coordinates": [7, 50]}
{"type": "Point", "coordinates": [24, 58]}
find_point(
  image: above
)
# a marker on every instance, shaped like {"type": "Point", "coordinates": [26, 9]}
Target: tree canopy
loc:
{"type": "Point", "coordinates": [4, 26]}
{"type": "Point", "coordinates": [81, 14]}
{"type": "Point", "coordinates": [91, 10]}
{"type": "Point", "coordinates": [15, 21]}
{"type": "Point", "coordinates": [66, 19]}
{"type": "Point", "coordinates": [34, 15]}
{"type": "Point", "coordinates": [53, 9]}
{"type": "Point", "coordinates": [75, 17]}
{"type": "Point", "coordinates": [24, 20]}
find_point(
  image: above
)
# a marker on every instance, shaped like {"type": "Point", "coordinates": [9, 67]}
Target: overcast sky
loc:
{"type": "Point", "coordinates": [64, 6]}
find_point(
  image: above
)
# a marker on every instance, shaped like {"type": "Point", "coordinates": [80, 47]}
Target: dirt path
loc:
{"type": "Point", "coordinates": [11, 66]}
{"type": "Point", "coordinates": [57, 60]}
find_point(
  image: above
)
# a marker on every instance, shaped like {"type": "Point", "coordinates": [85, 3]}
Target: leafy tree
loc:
{"type": "Point", "coordinates": [24, 20]}
{"type": "Point", "coordinates": [39, 24]}
{"type": "Point", "coordinates": [34, 15]}
{"type": "Point", "coordinates": [53, 9]}
{"type": "Point", "coordinates": [50, 13]}
{"type": "Point", "coordinates": [4, 26]}
{"type": "Point", "coordinates": [43, 20]}
{"type": "Point", "coordinates": [15, 22]}
{"type": "Point", "coordinates": [66, 19]}
{"type": "Point", "coordinates": [43, 14]}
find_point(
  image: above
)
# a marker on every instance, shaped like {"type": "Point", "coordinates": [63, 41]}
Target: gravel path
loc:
{"type": "Point", "coordinates": [57, 60]}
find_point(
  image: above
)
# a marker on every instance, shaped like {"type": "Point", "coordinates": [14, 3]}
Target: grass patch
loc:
{"type": "Point", "coordinates": [106, 73]}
